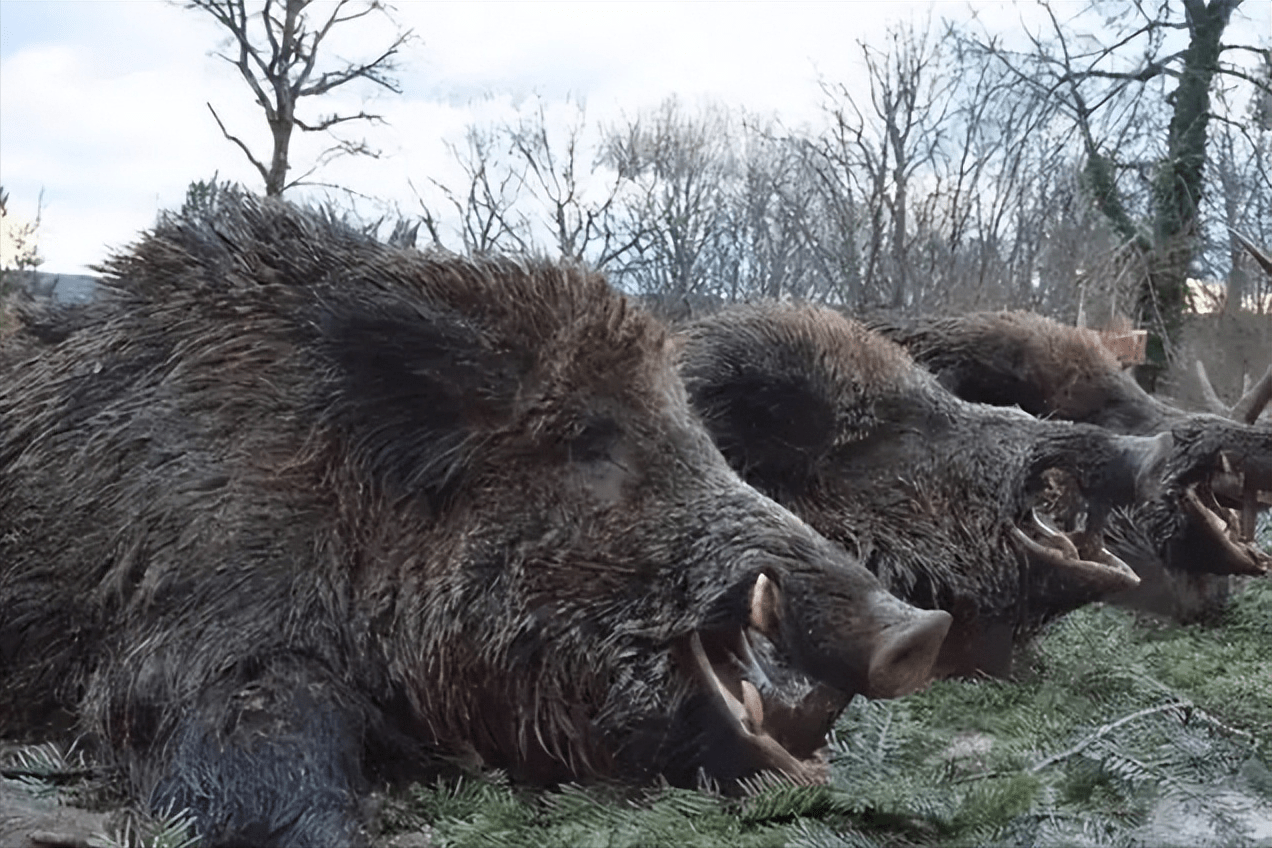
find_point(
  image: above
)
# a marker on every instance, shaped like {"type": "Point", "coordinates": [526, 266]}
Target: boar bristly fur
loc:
{"type": "Point", "coordinates": [1188, 537]}
{"type": "Point", "coordinates": [1023, 359]}
{"type": "Point", "coordinates": [290, 509]}
{"type": "Point", "coordinates": [944, 500]}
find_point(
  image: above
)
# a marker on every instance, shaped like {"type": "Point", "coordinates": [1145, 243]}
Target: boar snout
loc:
{"type": "Point", "coordinates": [905, 653]}
{"type": "Point", "coordinates": [885, 649]}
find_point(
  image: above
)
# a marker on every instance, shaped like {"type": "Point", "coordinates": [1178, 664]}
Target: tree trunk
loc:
{"type": "Point", "coordinates": [1180, 182]}
{"type": "Point", "coordinates": [280, 131]}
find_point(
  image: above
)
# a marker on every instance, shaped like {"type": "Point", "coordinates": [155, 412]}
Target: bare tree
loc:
{"type": "Point", "coordinates": [1134, 80]}
{"type": "Point", "coordinates": [681, 206]}
{"type": "Point", "coordinates": [574, 203]}
{"type": "Point", "coordinates": [276, 51]}
{"type": "Point", "coordinates": [886, 143]}
{"type": "Point", "coordinates": [673, 207]}
{"type": "Point", "coordinates": [1242, 160]}
{"type": "Point", "coordinates": [836, 216]}
{"type": "Point", "coordinates": [18, 239]}
{"type": "Point", "coordinates": [942, 178]}
{"type": "Point", "coordinates": [488, 206]}
{"type": "Point", "coordinates": [532, 183]}
{"type": "Point", "coordinates": [947, 185]}
{"type": "Point", "coordinates": [773, 227]}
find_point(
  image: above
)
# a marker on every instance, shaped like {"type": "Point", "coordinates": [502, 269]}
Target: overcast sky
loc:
{"type": "Point", "coordinates": [103, 102]}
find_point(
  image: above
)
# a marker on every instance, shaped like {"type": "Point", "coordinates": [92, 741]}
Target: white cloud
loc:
{"type": "Point", "coordinates": [102, 103]}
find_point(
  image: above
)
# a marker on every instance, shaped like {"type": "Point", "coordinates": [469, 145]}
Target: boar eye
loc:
{"type": "Point", "coordinates": [594, 441]}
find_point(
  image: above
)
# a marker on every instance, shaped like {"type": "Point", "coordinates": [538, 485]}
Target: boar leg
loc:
{"type": "Point", "coordinates": [274, 761]}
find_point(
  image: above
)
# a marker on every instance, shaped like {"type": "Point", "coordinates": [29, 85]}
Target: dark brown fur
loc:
{"type": "Point", "coordinates": [290, 506]}
{"type": "Point", "coordinates": [1048, 369]}
{"type": "Point", "coordinates": [1051, 370]}
{"type": "Point", "coordinates": [838, 424]}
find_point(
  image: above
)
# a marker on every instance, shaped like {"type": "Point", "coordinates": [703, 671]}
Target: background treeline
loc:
{"type": "Point", "coordinates": [1086, 164]}
{"type": "Point", "coordinates": [958, 174]}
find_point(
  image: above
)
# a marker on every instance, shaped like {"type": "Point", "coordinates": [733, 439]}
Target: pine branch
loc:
{"type": "Point", "coordinates": [1183, 706]}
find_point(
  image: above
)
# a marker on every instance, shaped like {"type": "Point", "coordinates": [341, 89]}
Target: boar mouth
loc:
{"type": "Point", "coordinates": [776, 693]}
{"type": "Point", "coordinates": [1222, 510]}
{"type": "Point", "coordinates": [776, 732]}
{"type": "Point", "coordinates": [1077, 553]}
{"type": "Point", "coordinates": [780, 727]}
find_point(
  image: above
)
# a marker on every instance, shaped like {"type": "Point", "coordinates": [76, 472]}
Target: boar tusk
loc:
{"type": "Point", "coordinates": [750, 723]}
{"type": "Point", "coordinates": [764, 609]}
{"type": "Point", "coordinates": [1246, 410]}
{"type": "Point", "coordinates": [1249, 511]}
{"type": "Point", "coordinates": [1250, 407]}
{"type": "Point", "coordinates": [1058, 540]}
{"type": "Point", "coordinates": [1208, 393]}
{"type": "Point", "coordinates": [726, 698]}
{"type": "Point", "coordinates": [748, 712]}
{"type": "Point", "coordinates": [1216, 524]}
{"type": "Point", "coordinates": [1239, 559]}
{"type": "Point", "coordinates": [1110, 574]}
{"type": "Point", "coordinates": [1228, 484]}
{"type": "Point", "coordinates": [754, 705]}
{"type": "Point", "coordinates": [1242, 488]}
{"type": "Point", "coordinates": [1261, 258]}
{"type": "Point", "coordinates": [746, 659]}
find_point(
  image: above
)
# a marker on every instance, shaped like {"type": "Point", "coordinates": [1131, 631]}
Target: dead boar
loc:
{"type": "Point", "coordinates": [942, 499]}
{"type": "Point", "coordinates": [1183, 543]}
{"type": "Point", "coordinates": [1048, 369]}
{"type": "Point", "coordinates": [290, 508]}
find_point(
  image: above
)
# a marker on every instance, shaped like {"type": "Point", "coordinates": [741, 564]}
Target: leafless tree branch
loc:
{"type": "Point", "coordinates": [279, 64]}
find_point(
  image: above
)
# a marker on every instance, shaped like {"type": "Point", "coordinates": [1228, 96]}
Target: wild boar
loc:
{"type": "Point", "coordinates": [947, 502]}
{"type": "Point", "coordinates": [1048, 369]}
{"type": "Point", "coordinates": [290, 510]}
{"type": "Point", "coordinates": [1183, 543]}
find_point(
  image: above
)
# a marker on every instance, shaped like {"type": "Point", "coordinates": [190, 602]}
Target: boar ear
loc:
{"type": "Point", "coordinates": [774, 430]}
{"type": "Point", "coordinates": [415, 392]}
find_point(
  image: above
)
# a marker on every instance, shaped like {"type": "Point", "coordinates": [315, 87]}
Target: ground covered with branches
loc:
{"type": "Point", "coordinates": [1122, 732]}
{"type": "Point", "coordinates": [1118, 732]}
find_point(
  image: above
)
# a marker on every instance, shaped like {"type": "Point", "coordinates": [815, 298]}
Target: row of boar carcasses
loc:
{"type": "Point", "coordinates": [289, 511]}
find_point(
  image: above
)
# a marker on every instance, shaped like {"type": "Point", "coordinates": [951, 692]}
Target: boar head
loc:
{"type": "Point", "coordinates": [1199, 525]}
{"type": "Point", "coordinates": [943, 499]}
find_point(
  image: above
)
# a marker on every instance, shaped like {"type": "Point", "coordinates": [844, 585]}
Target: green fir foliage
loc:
{"type": "Point", "coordinates": [1119, 732]}
{"type": "Point", "coordinates": [171, 830]}
{"type": "Point", "coordinates": [61, 775]}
